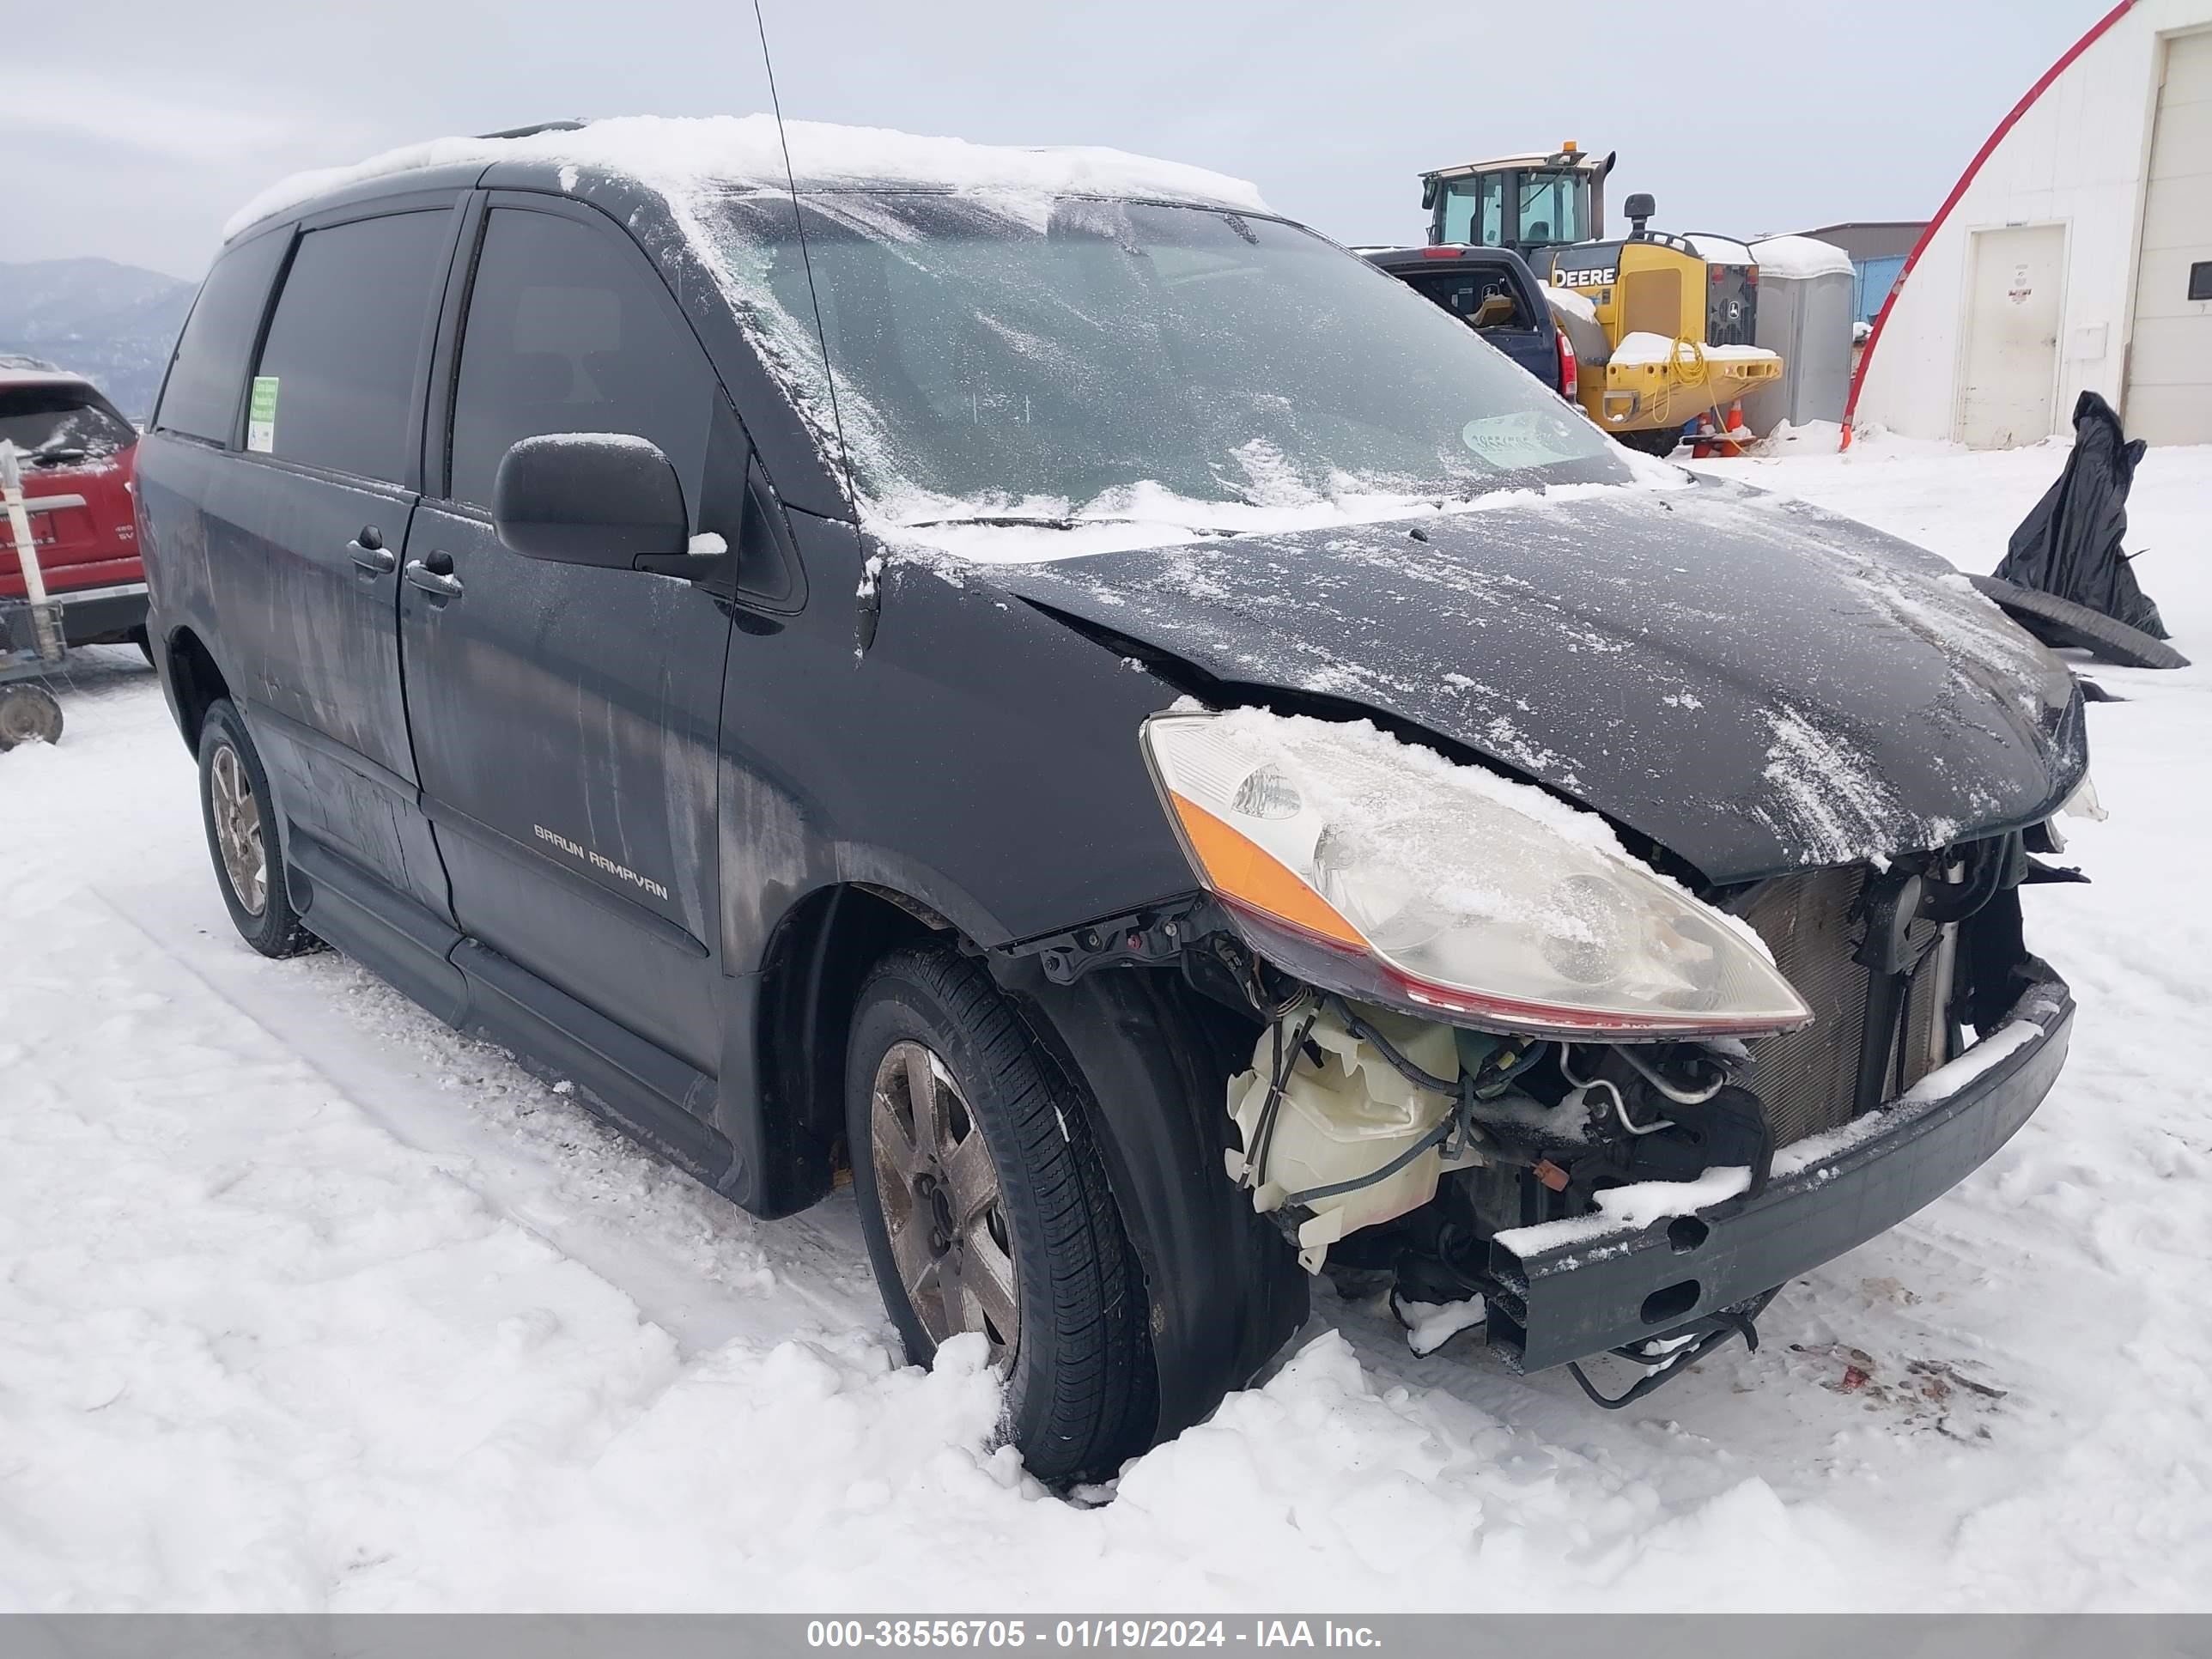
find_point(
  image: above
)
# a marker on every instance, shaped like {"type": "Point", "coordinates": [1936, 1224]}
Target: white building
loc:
{"type": "Point", "coordinates": [2074, 255]}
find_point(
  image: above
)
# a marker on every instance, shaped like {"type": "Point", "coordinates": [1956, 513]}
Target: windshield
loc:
{"type": "Point", "coordinates": [45, 420]}
{"type": "Point", "coordinates": [1061, 360]}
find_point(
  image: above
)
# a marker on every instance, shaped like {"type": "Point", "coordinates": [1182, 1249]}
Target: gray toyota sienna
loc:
{"type": "Point", "coordinates": [1027, 678]}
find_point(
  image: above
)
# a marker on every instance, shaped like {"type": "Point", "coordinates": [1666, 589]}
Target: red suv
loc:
{"type": "Point", "coordinates": [78, 456]}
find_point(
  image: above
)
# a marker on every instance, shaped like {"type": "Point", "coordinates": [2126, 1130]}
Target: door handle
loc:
{"type": "Point", "coordinates": [369, 554]}
{"type": "Point", "coordinates": [443, 583]}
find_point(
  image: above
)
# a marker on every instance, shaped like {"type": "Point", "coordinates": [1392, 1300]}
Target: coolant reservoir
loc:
{"type": "Point", "coordinates": [1343, 1119]}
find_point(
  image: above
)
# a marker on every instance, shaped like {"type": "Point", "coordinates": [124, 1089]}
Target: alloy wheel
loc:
{"type": "Point", "coordinates": [942, 1204]}
{"type": "Point", "coordinates": [238, 830]}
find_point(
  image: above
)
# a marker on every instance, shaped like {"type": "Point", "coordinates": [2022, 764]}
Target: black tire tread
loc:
{"type": "Point", "coordinates": [1086, 1403]}
{"type": "Point", "coordinates": [49, 706]}
{"type": "Point", "coordinates": [2059, 621]}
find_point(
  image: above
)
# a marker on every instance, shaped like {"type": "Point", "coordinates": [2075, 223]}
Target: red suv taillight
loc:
{"type": "Point", "coordinates": [1570, 371]}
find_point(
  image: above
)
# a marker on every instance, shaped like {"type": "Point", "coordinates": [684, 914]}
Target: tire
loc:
{"type": "Point", "coordinates": [1660, 441]}
{"type": "Point", "coordinates": [236, 811]}
{"type": "Point", "coordinates": [29, 714]}
{"type": "Point", "coordinates": [2061, 622]}
{"type": "Point", "coordinates": [1079, 1385]}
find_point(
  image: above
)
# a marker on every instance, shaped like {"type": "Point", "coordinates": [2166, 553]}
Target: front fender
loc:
{"type": "Point", "coordinates": [1225, 1287]}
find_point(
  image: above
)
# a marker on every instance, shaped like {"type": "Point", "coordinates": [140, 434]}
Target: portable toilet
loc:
{"type": "Point", "coordinates": [1805, 299]}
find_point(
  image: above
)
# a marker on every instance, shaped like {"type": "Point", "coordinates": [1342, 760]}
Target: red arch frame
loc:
{"type": "Point", "coordinates": [1974, 166]}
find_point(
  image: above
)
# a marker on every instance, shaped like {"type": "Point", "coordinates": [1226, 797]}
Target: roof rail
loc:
{"type": "Point", "coordinates": [531, 132]}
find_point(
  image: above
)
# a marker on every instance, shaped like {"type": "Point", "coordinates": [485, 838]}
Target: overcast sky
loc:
{"type": "Point", "coordinates": [133, 130]}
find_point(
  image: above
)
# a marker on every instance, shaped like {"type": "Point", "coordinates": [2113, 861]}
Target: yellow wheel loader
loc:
{"type": "Point", "coordinates": [1661, 324]}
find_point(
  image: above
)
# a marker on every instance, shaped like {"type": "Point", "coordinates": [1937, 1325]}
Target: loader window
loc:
{"type": "Point", "coordinates": [1474, 210]}
{"type": "Point", "coordinates": [1554, 207]}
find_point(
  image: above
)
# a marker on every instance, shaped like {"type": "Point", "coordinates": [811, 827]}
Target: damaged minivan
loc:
{"type": "Point", "coordinates": [1024, 680]}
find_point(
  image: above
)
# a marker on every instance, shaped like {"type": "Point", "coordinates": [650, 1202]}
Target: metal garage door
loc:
{"type": "Point", "coordinates": [2014, 301]}
{"type": "Point", "coordinates": [2169, 394]}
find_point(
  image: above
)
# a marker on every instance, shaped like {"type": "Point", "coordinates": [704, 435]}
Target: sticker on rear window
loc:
{"type": "Point", "coordinates": [261, 414]}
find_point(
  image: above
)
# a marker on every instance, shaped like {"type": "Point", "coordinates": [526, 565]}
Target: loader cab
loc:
{"type": "Point", "coordinates": [1525, 203]}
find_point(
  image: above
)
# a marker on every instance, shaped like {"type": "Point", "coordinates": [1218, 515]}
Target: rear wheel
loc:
{"type": "Point", "coordinates": [242, 838]}
{"type": "Point", "coordinates": [987, 1211]}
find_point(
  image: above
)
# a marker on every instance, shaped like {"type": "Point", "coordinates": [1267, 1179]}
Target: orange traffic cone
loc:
{"type": "Point", "coordinates": [1703, 447]}
{"type": "Point", "coordinates": [1737, 437]}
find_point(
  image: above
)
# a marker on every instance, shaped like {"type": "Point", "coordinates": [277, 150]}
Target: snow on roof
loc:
{"type": "Point", "coordinates": [1801, 257]}
{"type": "Point", "coordinates": [678, 155]}
{"type": "Point", "coordinates": [1720, 250]}
{"type": "Point", "coordinates": [1562, 159]}
{"type": "Point", "coordinates": [28, 371]}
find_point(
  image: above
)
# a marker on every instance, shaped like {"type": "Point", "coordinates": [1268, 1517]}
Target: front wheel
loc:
{"type": "Point", "coordinates": [987, 1211]}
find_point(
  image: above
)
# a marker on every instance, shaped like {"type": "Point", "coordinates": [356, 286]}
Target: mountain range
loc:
{"type": "Point", "coordinates": [113, 323]}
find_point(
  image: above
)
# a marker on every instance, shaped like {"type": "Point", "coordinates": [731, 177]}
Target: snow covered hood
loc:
{"type": "Point", "coordinates": [1751, 683]}
{"type": "Point", "coordinates": [678, 156]}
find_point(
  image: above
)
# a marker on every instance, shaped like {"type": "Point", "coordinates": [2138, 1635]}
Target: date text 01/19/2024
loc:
{"type": "Point", "coordinates": [1080, 1633]}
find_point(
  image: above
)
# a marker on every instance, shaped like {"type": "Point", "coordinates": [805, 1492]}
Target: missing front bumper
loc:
{"type": "Point", "coordinates": [1569, 1290]}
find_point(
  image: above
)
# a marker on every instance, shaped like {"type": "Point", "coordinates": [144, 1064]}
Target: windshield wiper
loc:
{"type": "Point", "coordinates": [1013, 521]}
{"type": "Point", "coordinates": [1025, 521]}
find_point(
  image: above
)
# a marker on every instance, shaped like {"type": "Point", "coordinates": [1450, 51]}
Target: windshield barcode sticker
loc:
{"type": "Point", "coordinates": [1526, 438]}
{"type": "Point", "coordinates": [261, 415]}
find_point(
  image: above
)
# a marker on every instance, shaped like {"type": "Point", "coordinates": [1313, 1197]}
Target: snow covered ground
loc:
{"type": "Point", "coordinates": [307, 1302]}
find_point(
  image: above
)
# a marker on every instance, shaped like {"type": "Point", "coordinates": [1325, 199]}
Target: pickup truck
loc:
{"type": "Point", "coordinates": [1497, 294]}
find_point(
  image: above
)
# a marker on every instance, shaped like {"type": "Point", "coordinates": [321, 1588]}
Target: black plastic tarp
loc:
{"type": "Point", "coordinates": [2069, 545]}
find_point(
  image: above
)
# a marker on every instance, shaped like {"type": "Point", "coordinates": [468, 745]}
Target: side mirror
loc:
{"type": "Point", "coordinates": [597, 498]}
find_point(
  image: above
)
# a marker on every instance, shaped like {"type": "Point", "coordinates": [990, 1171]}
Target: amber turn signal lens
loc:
{"type": "Point", "coordinates": [1241, 870]}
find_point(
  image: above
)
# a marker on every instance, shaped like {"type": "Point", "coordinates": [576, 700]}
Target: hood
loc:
{"type": "Point", "coordinates": [1752, 683]}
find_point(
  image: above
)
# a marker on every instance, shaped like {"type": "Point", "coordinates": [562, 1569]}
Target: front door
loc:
{"type": "Point", "coordinates": [2017, 296]}
{"type": "Point", "coordinates": [565, 718]}
{"type": "Point", "coordinates": [307, 584]}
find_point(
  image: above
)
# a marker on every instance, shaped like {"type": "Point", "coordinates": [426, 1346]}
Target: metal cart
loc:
{"type": "Point", "coordinates": [30, 643]}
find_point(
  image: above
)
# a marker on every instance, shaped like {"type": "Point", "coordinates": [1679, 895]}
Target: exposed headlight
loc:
{"type": "Point", "coordinates": [1381, 869]}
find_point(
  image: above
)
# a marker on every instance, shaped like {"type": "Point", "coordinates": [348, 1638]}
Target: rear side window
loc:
{"type": "Point", "coordinates": [51, 422]}
{"type": "Point", "coordinates": [338, 376]}
{"type": "Point", "coordinates": [209, 374]}
{"type": "Point", "coordinates": [1482, 299]}
{"type": "Point", "coordinates": [570, 330]}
